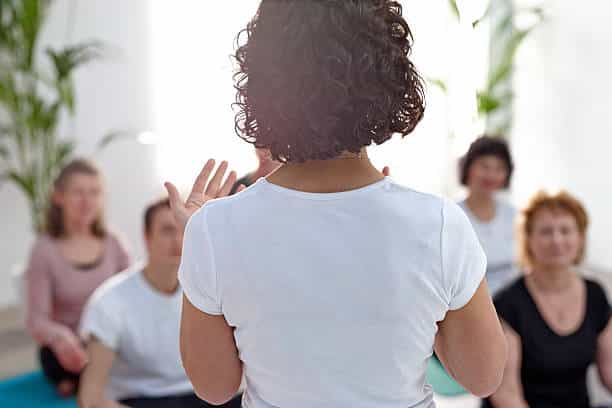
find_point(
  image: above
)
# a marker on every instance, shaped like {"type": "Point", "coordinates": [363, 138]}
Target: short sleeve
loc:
{"type": "Point", "coordinates": [101, 320]}
{"type": "Point", "coordinates": [600, 307]}
{"type": "Point", "coordinates": [463, 260]}
{"type": "Point", "coordinates": [197, 273]}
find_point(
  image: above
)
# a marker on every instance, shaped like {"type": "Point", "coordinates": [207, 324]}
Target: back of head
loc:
{"type": "Point", "coordinates": [320, 77]}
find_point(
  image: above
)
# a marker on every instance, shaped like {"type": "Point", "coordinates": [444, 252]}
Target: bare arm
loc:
{"type": "Point", "coordinates": [604, 356]}
{"type": "Point", "coordinates": [213, 367]}
{"type": "Point", "coordinates": [510, 393]}
{"type": "Point", "coordinates": [471, 344]}
{"type": "Point", "coordinates": [95, 377]}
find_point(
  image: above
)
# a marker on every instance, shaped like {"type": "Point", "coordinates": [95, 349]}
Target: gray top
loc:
{"type": "Point", "coordinates": [497, 239]}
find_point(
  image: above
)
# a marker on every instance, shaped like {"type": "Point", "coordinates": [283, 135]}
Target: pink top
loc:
{"type": "Point", "coordinates": [57, 290]}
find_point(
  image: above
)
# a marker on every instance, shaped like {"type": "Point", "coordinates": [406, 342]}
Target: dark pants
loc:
{"type": "Point", "coordinates": [178, 401]}
{"type": "Point", "coordinates": [52, 368]}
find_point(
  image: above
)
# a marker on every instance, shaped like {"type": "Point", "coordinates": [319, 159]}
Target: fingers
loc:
{"type": "Point", "coordinates": [200, 182]}
{"type": "Point", "coordinates": [213, 186]}
{"type": "Point", "coordinates": [173, 195]}
{"type": "Point", "coordinates": [386, 171]}
{"type": "Point", "coordinates": [227, 186]}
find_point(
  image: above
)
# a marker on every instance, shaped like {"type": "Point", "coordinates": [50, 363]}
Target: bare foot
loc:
{"type": "Point", "coordinates": [66, 388]}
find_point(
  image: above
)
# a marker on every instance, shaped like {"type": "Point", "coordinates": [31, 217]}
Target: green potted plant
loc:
{"type": "Point", "coordinates": [33, 100]}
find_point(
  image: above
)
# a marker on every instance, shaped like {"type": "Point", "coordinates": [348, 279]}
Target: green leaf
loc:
{"type": "Point", "coordinates": [110, 138]}
{"type": "Point", "coordinates": [30, 18]}
{"type": "Point", "coordinates": [49, 117]}
{"type": "Point", "coordinates": [476, 22]}
{"type": "Point", "coordinates": [8, 27]}
{"type": "Point", "coordinates": [503, 26]}
{"type": "Point", "coordinates": [69, 58]}
{"type": "Point", "coordinates": [439, 84]}
{"type": "Point", "coordinates": [66, 93]}
{"type": "Point", "coordinates": [487, 103]}
{"type": "Point", "coordinates": [454, 8]}
{"type": "Point", "coordinates": [25, 182]}
{"type": "Point", "coordinates": [499, 74]}
{"type": "Point", "coordinates": [9, 94]}
{"type": "Point", "coordinates": [503, 70]}
{"type": "Point", "coordinates": [63, 152]}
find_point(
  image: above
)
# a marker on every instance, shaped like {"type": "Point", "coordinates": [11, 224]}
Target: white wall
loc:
{"type": "Point", "coordinates": [560, 137]}
{"type": "Point", "coordinates": [111, 94]}
{"type": "Point", "coordinates": [563, 132]}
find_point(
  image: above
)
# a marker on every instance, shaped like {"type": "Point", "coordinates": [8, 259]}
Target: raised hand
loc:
{"type": "Point", "coordinates": [203, 190]}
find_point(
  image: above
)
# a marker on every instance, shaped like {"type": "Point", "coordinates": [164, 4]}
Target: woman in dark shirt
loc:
{"type": "Point", "coordinates": [556, 322]}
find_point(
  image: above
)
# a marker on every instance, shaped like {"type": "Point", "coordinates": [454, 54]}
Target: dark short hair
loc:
{"type": "Point", "coordinates": [150, 211]}
{"type": "Point", "coordinates": [316, 78]}
{"type": "Point", "coordinates": [486, 146]}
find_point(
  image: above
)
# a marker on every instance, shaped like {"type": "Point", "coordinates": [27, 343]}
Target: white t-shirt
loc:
{"type": "Point", "coordinates": [334, 297]}
{"type": "Point", "coordinates": [141, 325]}
{"type": "Point", "coordinates": [497, 240]}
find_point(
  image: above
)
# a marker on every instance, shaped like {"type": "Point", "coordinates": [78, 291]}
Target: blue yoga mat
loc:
{"type": "Point", "coordinates": [442, 383]}
{"type": "Point", "coordinates": [31, 391]}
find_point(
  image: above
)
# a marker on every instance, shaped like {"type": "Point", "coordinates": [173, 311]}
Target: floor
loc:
{"type": "Point", "coordinates": [17, 350]}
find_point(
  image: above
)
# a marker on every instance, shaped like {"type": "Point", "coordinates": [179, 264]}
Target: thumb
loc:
{"type": "Point", "coordinates": [386, 171]}
{"type": "Point", "coordinates": [173, 194]}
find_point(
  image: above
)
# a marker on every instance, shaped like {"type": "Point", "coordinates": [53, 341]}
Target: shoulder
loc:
{"type": "Point", "coordinates": [43, 244]}
{"type": "Point", "coordinates": [510, 301]}
{"type": "Point", "coordinates": [514, 288]}
{"type": "Point", "coordinates": [116, 240]}
{"type": "Point", "coordinates": [428, 207]}
{"type": "Point", "coordinates": [116, 290]}
{"type": "Point", "coordinates": [506, 209]}
{"type": "Point", "coordinates": [596, 291]}
{"type": "Point", "coordinates": [220, 211]}
{"type": "Point", "coordinates": [513, 294]}
{"type": "Point", "coordinates": [395, 187]}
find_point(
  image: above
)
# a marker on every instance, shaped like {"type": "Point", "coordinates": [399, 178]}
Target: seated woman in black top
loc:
{"type": "Point", "coordinates": [556, 322]}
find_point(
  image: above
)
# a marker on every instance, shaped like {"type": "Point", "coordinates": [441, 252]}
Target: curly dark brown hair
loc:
{"type": "Point", "coordinates": [317, 78]}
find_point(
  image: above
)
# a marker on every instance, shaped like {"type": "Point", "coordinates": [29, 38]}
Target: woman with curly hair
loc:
{"type": "Point", "coordinates": [359, 278]}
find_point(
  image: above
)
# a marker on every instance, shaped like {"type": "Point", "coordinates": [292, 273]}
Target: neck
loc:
{"type": "Point", "coordinates": [163, 278]}
{"type": "Point", "coordinates": [264, 169]}
{"type": "Point", "coordinates": [348, 172]}
{"type": "Point", "coordinates": [552, 279]}
{"type": "Point", "coordinates": [76, 229]}
{"type": "Point", "coordinates": [482, 205]}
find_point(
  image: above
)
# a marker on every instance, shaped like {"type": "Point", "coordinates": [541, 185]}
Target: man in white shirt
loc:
{"type": "Point", "coordinates": [131, 327]}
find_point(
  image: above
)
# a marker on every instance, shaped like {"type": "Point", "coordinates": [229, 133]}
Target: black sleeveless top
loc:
{"type": "Point", "coordinates": [554, 367]}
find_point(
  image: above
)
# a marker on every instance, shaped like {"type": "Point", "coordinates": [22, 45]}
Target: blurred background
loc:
{"type": "Point", "coordinates": [149, 99]}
